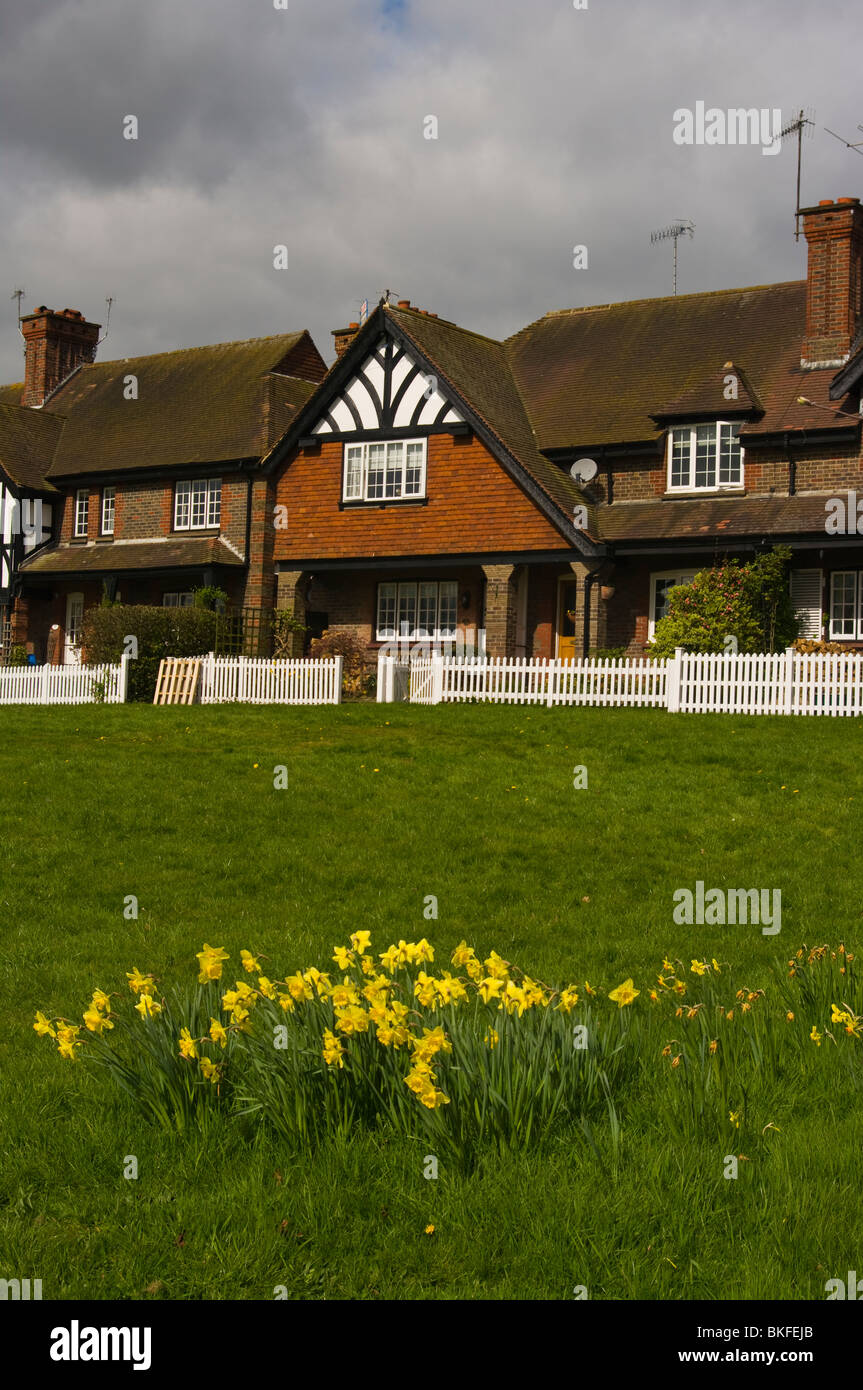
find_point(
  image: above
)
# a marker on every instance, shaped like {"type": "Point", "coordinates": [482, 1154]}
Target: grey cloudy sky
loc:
{"type": "Point", "coordinates": [304, 126]}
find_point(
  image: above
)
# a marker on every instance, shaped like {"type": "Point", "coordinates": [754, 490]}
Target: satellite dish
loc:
{"type": "Point", "coordinates": [583, 470]}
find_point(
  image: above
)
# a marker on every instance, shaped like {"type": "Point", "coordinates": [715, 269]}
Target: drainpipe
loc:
{"type": "Point", "coordinates": [249, 481]}
{"type": "Point", "coordinates": [792, 468]}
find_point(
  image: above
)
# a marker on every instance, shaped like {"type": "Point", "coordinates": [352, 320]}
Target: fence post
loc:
{"type": "Point", "coordinates": [437, 679]}
{"type": "Point", "coordinates": [241, 679]}
{"type": "Point", "coordinates": [206, 689]}
{"type": "Point", "coordinates": [124, 679]}
{"type": "Point", "coordinates": [338, 680]}
{"type": "Point", "coordinates": [788, 692]}
{"type": "Point", "coordinates": [385, 678]}
{"type": "Point", "coordinates": [672, 684]}
{"type": "Point", "coordinates": [44, 697]}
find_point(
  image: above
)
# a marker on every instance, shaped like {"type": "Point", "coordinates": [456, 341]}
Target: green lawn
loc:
{"type": "Point", "coordinates": [385, 806]}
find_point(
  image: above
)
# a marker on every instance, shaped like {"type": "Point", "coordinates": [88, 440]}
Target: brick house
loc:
{"type": "Point", "coordinates": [426, 483]}
{"type": "Point", "coordinates": [148, 472]}
{"type": "Point", "coordinates": [422, 488]}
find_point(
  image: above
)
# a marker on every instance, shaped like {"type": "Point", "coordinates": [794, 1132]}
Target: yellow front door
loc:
{"type": "Point", "coordinates": [566, 630]}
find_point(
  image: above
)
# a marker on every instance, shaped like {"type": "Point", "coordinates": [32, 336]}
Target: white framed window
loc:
{"type": "Point", "coordinates": [417, 609]}
{"type": "Point", "coordinates": [705, 458]}
{"type": "Point", "coordinates": [178, 600]}
{"type": "Point", "coordinates": [846, 605]}
{"type": "Point", "coordinates": [198, 504]}
{"type": "Point", "coordinates": [382, 472]}
{"type": "Point", "coordinates": [82, 511]}
{"type": "Point", "coordinates": [108, 504]}
{"type": "Point", "coordinates": [660, 587]}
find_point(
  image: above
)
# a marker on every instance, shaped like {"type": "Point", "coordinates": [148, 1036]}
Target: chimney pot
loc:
{"type": "Point", "coordinates": [404, 304]}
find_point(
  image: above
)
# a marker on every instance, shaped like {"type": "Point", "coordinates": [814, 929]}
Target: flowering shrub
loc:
{"type": "Point", "coordinates": [750, 602]}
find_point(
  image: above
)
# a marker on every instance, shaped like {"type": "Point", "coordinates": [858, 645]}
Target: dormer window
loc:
{"type": "Point", "coordinates": [705, 458]}
{"type": "Point", "coordinates": [384, 472]}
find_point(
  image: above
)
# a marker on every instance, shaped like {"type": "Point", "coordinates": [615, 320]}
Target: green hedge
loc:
{"type": "Point", "coordinates": [159, 632]}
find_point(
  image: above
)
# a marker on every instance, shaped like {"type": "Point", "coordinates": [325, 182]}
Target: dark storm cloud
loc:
{"type": "Point", "coordinates": [305, 127]}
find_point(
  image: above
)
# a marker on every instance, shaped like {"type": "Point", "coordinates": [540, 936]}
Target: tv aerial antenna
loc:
{"type": "Point", "coordinates": [798, 126]}
{"type": "Point", "coordinates": [682, 227]}
{"type": "Point", "coordinates": [19, 295]}
{"type": "Point", "coordinates": [847, 143]}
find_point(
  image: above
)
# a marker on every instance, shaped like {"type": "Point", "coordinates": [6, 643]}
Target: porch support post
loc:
{"type": "Point", "coordinates": [290, 598]}
{"type": "Point", "coordinates": [587, 594]}
{"type": "Point", "coordinates": [501, 609]}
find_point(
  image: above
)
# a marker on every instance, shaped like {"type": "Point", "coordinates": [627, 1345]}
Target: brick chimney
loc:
{"type": "Point", "coordinates": [343, 337]}
{"type": "Point", "coordinates": [56, 341]}
{"type": "Point", "coordinates": [834, 280]}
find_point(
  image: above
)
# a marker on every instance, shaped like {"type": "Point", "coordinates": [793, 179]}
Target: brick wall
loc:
{"type": "Point", "coordinates": [472, 504]}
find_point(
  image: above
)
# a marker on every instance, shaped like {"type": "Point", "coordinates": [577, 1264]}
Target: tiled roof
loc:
{"type": "Point", "coordinates": [479, 369]}
{"type": "Point", "coordinates": [132, 555]}
{"type": "Point", "coordinates": [27, 442]}
{"type": "Point", "coordinates": [679, 519]}
{"type": "Point", "coordinates": [594, 376]}
{"type": "Point", "coordinates": [199, 405]}
{"type": "Point", "coordinates": [710, 397]}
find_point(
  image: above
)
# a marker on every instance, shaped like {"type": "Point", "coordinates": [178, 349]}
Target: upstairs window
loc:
{"type": "Point", "coordinates": [82, 511]}
{"type": "Point", "coordinates": [108, 499]}
{"type": "Point", "coordinates": [705, 457]}
{"type": "Point", "coordinates": [384, 472]}
{"type": "Point", "coordinates": [198, 505]}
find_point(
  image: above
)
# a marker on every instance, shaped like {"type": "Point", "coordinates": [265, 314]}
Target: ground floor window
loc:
{"type": "Point", "coordinates": [421, 608]}
{"type": "Point", "coordinates": [178, 600]}
{"type": "Point", "coordinates": [846, 605]}
{"type": "Point", "coordinates": [660, 587]}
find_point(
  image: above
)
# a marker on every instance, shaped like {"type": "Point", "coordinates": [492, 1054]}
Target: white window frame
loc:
{"type": "Point", "coordinates": [399, 598]}
{"type": "Point", "coordinates": [198, 504]}
{"type": "Point", "coordinates": [183, 598]}
{"type": "Point", "coordinates": [680, 577]}
{"type": "Point", "coordinates": [82, 512]}
{"type": "Point", "coordinates": [355, 471]}
{"type": "Point", "coordinates": [857, 620]}
{"type": "Point", "coordinates": [690, 485]}
{"type": "Point", "coordinates": [109, 503]}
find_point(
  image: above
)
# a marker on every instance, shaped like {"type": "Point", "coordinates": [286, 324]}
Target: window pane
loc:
{"type": "Point", "coordinates": [447, 608]}
{"type": "Point", "coordinates": [181, 506]}
{"type": "Point", "coordinates": [414, 470]}
{"type": "Point", "coordinates": [407, 610]}
{"type": "Point", "coordinates": [108, 510]}
{"type": "Point", "coordinates": [199, 503]}
{"type": "Point", "coordinates": [395, 463]}
{"type": "Point", "coordinates": [214, 502]}
{"type": "Point", "coordinates": [729, 454]}
{"type": "Point", "coordinates": [705, 456]}
{"type": "Point", "coordinates": [82, 498]}
{"type": "Point", "coordinates": [376, 471]}
{"type": "Point", "coordinates": [386, 611]}
{"type": "Point", "coordinates": [354, 473]}
{"type": "Point", "coordinates": [680, 458]}
{"type": "Point", "coordinates": [427, 610]}
{"type": "Point", "coordinates": [843, 604]}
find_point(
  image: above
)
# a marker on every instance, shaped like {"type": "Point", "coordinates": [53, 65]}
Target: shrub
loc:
{"type": "Point", "coordinates": [750, 602]}
{"type": "Point", "coordinates": [607, 653]}
{"type": "Point", "coordinates": [159, 632]}
{"type": "Point", "coordinates": [17, 655]}
{"type": "Point", "coordinates": [285, 625]}
{"type": "Point", "coordinates": [353, 649]}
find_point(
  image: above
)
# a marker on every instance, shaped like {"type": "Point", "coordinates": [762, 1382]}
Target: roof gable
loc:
{"type": "Point", "coordinates": [28, 439]}
{"type": "Point", "coordinates": [723, 393]}
{"type": "Point", "coordinates": [389, 390]}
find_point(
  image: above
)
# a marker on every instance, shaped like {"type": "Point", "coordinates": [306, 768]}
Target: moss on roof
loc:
{"type": "Point", "coordinates": [198, 405]}
{"type": "Point", "coordinates": [479, 369]}
{"type": "Point", "coordinates": [132, 555]}
{"type": "Point", "coordinates": [28, 439]}
{"type": "Point", "coordinates": [593, 376]}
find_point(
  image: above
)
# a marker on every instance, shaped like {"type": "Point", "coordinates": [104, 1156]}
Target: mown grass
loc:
{"type": "Point", "coordinates": [384, 807]}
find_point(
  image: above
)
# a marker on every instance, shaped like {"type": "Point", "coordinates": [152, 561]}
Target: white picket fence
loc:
{"type": "Point", "coordinates": [271, 681]}
{"type": "Point", "coordinates": [785, 683]}
{"type": "Point", "coordinates": [64, 685]}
